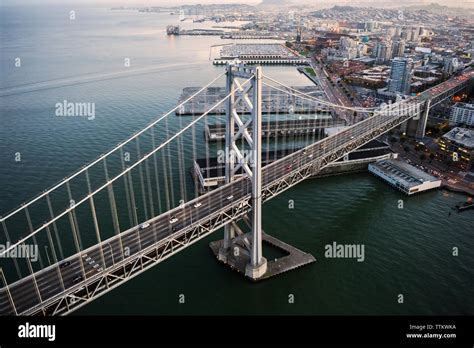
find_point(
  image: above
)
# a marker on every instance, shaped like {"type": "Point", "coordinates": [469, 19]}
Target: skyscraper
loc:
{"type": "Point", "coordinates": [382, 52]}
{"type": "Point", "coordinates": [398, 48]}
{"type": "Point", "coordinates": [400, 75]}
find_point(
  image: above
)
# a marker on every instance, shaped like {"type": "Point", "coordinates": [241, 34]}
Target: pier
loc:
{"type": "Point", "coordinates": [209, 173]}
{"type": "Point", "coordinates": [286, 128]}
{"type": "Point", "coordinates": [273, 102]}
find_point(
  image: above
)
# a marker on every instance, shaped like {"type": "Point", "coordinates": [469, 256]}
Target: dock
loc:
{"type": "Point", "coordinates": [403, 176]}
{"type": "Point", "coordinates": [286, 128]}
{"type": "Point", "coordinates": [209, 173]}
{"type": "Point", "coordinates": [273, 102]}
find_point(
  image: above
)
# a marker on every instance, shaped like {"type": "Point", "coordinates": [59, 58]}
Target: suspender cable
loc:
{"type": "Point", "coordinates": [127, 193]}
{"type": "Point", "coordinates": [15, 261]}
{"type": "Point", "coordinates": [96, 222]}
{"type": "Point", "coordinates": [73, 219]}
{"type": "Point", "coordinates": [181, 165]}
{"type": "Point", "coordinates": [7, 288]}
{"type": "Point", "coordinates": [33, 277]}
{"type": "Point", "coordinates": [55, 228]}
{"type": "Point", "coordinates": [193, 134]}
{"type": "Point", "coordinates": [150, 191]}
{"type": "Point", "coordinates": [142, 184]}
{"type": "Point", "coordinates": [170, 168]}
{"type": "Point", "coordinates": [165, 174]}
{"type": "Point", "coordinates": [155, 165]}
{"type": "Point", "coordinates": [50, 240]}
{"type": "Point", "coordinates": [206, 144]}
{"type": "Point", "coordinates": [113, 206]}
{"type": "Point", "coordinates": [58, 270]}
{"type": "Point", "coordinates": [132, 199]}
{"type": "Point", "coordinates": [30, 226]}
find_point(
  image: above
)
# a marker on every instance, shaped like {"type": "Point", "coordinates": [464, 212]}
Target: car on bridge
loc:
{"type": "Point", "coordinates": [77, 279]}
{"type": "Point", "coordinates": [173, 219]}
{"type": "Point", "coordinates": [65, 264]}
{"type": "Point", "coordinates": [144, 225]}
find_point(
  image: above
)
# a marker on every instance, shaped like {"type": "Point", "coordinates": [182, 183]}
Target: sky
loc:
{"type": "Point", "coordinates": [458, 3]}
{"type": "Point", "coordinates": [123, 2]}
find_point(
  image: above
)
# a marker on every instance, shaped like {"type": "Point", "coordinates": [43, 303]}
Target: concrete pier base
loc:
{"type": "Point", "coordinates": [256, 272]}
{"type": "Point", "coordinates": [238, 258]}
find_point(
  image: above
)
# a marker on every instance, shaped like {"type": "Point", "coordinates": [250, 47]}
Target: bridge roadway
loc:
{"type": "Point", "coordinates": [54, 281]}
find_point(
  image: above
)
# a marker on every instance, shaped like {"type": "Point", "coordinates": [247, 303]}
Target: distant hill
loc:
{"type": "Point", "coordinates": [275, 2]}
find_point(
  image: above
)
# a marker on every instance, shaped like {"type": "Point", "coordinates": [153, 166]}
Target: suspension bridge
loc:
{"type": "Point", "coordinates": [137, 205]}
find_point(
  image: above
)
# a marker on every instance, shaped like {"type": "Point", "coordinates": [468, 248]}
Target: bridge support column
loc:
{"type": "Point", "coordinates": [229, 160]}
{"type": "Point", "coordinates": [258, 264]}
{"type": "Point", "coordinates": [241, 130]}
{"type": "Point", "coordinates": [421, 127]}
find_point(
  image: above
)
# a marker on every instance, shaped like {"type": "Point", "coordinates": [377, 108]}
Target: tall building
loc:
{"type": "Point", "coordinates": [400, 75]}
{"type": "Point", "coordinates": [391, 32]}
{"type": "Point", "coordinates": [414, 34]}
{"type": "Point", "coordinates": [462, 113]}
{"type": "Point", "coordinates": [371, 26]}
{"type": "Point", "coordinates": [398, 31]}
{"type": "Point", "coordinates": [451, 65]}
{"type": "Point", "coordinates": [398, 48]}
{"type": "Point", "coordinates": [382, 52]}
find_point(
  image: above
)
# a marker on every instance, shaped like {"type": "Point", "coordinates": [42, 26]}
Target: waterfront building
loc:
{"type": "Point", "coordinates": [458, 145]}
{"type": "Point", "coordinates": [403, 176]}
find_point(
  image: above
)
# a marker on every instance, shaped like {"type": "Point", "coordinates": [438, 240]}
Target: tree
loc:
{"type": "Point", "coordinates": [432, 156]}
{"type": "Point", "coordinates": [422, 157]}
{"type": "Point", "coordinates": [406, 148]}
{"type": "Point", "coordinates": [392, 139]}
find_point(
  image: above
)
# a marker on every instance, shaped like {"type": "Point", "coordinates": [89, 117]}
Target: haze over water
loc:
{"type": "Point", "coordinates": [408, 251]}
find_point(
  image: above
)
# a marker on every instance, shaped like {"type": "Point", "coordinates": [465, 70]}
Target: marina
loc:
{"type": "Point", "coordinates": [260, 54]}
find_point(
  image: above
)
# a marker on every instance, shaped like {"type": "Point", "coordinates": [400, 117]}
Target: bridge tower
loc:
{"type": "Point", "coordinates": [246, 131]}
